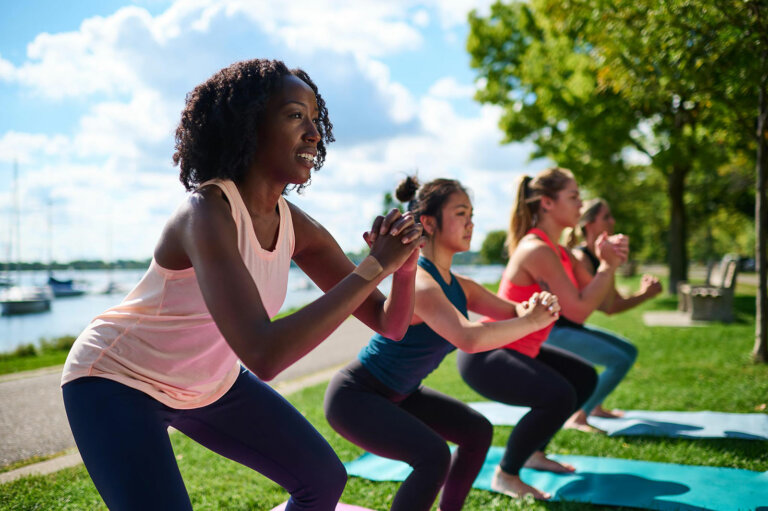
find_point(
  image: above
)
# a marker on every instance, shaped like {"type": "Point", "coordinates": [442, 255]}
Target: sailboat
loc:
{"type": "Point", "coordinates": [20, 299]}
{"type": "Point", "coordinates": [61, 288]}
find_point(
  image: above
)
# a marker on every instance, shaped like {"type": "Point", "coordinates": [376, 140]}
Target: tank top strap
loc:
{"type": "Point", "coordinates": [452, 291]}
{"type": "Point", "coordinates": [430, 267]}
{"type": "Point", "coordinates": [233, 196]}
{"type": "Point", "coordinates": [592, 258]}
{"type": "Point", "coordinates": [543, 236]}
{"type": "Point", "coordinates": [561, 252]}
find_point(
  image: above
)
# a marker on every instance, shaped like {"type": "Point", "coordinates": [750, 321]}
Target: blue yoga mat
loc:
{"type": "Point", "coordinates": [615, 482]}
{"type": "Point", "coordinates": [748, 426]}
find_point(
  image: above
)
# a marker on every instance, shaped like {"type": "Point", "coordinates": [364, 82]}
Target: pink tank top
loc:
{"type": "Point", "coordinates": [531, 343]}
{"type": "Point", "coordinates": [162, 340]}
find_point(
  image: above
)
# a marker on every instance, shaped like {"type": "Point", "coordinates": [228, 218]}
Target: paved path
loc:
{"type": "Point", "coordinates": [33, 421]}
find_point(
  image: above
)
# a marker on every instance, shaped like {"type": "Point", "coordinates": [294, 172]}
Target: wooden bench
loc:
{"type": "Point", "coordinates": [712, 301]}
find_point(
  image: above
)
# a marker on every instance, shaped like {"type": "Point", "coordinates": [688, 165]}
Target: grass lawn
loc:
{"type": "Point", "coordinates": [677, 369]}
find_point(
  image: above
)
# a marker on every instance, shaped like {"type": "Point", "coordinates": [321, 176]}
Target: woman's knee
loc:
{"type": "Point", "coordinates": [479, 432]}
{"type": "Point", "coordinates": [432, 461]}
{"type": "Point", "coordinates": [325, 487]}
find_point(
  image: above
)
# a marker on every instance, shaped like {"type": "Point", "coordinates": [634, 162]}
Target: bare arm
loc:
{"type": "Point", "coordinates": [649, 287]}
{"type": "Point", "coordinates": [434, 308]}
{"type": "Point", "coordinates": [544, 267]}
{"type": "Point", "coordinates": [207, 234]}
{"type": "Point", "coordinates": [321, 258]}
{"type": "Point", "coordinates": [483, 301]}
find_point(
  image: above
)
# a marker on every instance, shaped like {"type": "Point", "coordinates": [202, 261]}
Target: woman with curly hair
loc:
{"type": "Point", "coordinates": [170, 354]}
{"type": "Point", "coordinates": [378, 401]}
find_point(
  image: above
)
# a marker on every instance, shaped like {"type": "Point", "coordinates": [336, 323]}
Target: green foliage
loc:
{"type": "Point", "coordinates": [629, 96]}
{"type": "Point", "coordinates": [494, 250]}
{"type": "Point", "coordinates": [389, 203]}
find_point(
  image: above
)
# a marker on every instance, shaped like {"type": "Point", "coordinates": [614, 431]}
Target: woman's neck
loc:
{"type": "Point", "coordinates": [440, 257]}
{"type": "Point", "coordinates": [260, 196]}
{"type": "Point", "coordinates": [551, 229]}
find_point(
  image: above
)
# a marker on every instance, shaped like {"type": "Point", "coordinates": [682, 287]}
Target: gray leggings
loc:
{"type": "Point", "coordinates": [413, 428]}
{"type": "Point", "coordinates": [599, 347]}
{"type": "Point", "coordinates": [554, 384]}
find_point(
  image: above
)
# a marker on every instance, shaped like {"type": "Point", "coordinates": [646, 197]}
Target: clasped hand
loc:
{"type": "Point", "coordinates": [395, 240]}
{"type": "Point", "coordinates": [614, 249]}
{"type": "Point", "coordinates": [543, 308]}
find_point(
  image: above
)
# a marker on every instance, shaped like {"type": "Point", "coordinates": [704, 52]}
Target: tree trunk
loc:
{"type": "Point", "coordinates": [678, 256]}
{"type": "Point", "coordinates": [760, 352]}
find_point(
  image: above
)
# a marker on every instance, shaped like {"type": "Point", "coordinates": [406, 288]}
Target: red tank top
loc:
{"type": "Point", "coordinates": [530, 344]}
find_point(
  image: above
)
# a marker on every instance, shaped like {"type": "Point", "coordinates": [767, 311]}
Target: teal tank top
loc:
{"type": "Point", "coordinates": [402, 365]}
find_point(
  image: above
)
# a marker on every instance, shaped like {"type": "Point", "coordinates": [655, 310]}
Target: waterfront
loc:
{"type": "Point", "coordinates": [68, 316]}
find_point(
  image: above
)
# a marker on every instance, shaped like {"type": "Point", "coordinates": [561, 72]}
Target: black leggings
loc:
{"type": "Point", "coordinates": [412, 428]}
{"type": "Point", "coordinates": [554, 384]}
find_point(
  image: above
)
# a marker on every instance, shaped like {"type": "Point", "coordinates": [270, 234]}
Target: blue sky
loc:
{"type": "Point", "coordinates": [91, 91]}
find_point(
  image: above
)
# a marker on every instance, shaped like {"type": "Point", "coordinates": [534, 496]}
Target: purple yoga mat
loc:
{"type": "Point", "coordinates": [339, 507]}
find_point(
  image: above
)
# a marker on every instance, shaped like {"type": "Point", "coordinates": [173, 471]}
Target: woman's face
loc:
{"type": "Point", "coordinates": [456, 228]}
{"type": "Point", "coordinates": [288, 134]}
{"type": "Point", "coordinates": [566, 208]}
{"type": "Point", "coordinates": [603, 222]}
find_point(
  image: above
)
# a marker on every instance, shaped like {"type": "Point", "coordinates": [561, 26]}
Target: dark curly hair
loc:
{"type": "Point", "coordinates": [427, 199]}
{"type": "Point", "coordinates": [218, 133]}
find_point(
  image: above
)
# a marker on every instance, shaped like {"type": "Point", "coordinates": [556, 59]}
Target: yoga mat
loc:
{"type": "Point", "coordinates": [339, 507]}
{"type": "Point", "coordinates": [615, 482]}
{"type": "Point", "coordinates": [748, 426]}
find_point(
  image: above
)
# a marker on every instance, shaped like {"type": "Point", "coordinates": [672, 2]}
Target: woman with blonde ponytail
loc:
{"type": "Point", "coordinates": [378, 401]}
{"type": "Point", "coordinates": [526, 372]}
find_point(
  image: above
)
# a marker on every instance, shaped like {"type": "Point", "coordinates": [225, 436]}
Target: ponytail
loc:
{"type": "Point", "coordinates": [530, 190]}
{"type": "Point", "coordinates": [523, 214]}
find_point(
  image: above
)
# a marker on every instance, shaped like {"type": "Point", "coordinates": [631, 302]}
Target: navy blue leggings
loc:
{"type": "Point", "coordinates": [554, 384]}
{"type": "Point", "coordinates": [413, 428]}
{"type": "Point", "coordinates": [122, 436]}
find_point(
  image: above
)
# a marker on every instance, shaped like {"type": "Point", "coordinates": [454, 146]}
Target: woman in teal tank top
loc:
{"type": "Point", "coordinates": [378, 401]}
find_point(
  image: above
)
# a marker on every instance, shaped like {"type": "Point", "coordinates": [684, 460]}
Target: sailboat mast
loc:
{"type": "Point", "coordinates": [17, 217]}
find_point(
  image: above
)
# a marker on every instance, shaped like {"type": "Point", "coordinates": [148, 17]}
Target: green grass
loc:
{"type": "Point", "coordinates": [677, 369]}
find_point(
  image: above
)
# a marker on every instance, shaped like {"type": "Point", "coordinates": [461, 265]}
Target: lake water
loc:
{"type": "Point", "coordinates": [68, 316]}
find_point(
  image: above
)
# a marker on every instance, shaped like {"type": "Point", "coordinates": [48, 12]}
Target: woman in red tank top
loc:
{"type": "Point", "coordinates": [553, 382]}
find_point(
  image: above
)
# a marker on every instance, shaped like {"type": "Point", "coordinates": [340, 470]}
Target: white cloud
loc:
{"type": "Point", "coordinates": [131, 70]}
{"type": "Point", "coordinates": [448, 88]}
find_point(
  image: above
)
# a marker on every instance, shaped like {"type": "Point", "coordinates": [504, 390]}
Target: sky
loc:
{"type": "Point", "coordinates": [91, 93]}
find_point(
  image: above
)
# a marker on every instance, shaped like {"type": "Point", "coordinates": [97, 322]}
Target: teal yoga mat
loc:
{"type": "Point", "coordinates": [747, 426]}
{"type": "Point", "coordinates": [615, 482]}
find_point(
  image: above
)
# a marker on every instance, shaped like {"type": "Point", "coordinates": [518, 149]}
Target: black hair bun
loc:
{"type": "Point", "coordinates": [406, 190]}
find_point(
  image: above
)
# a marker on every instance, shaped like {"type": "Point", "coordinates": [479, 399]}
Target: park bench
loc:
{"type": "Point", "coordinates": [712, 301]}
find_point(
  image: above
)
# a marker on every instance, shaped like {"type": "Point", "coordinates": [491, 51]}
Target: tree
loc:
{"type": "Point", "coordinates": [721, 49]}
{"type": "Point", "coordinates": [556, 92]}
{"type": "Point", "coordinates": [683, 82]}
{"type": "Point", "coordinates": [493, 249]}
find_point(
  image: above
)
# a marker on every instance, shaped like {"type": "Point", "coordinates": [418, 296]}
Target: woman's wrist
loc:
{"type": "Point", "coordinates": [369, 268]}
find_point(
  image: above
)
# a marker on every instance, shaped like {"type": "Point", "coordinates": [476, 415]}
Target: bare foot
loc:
{"type": "Point", "coordinates": [599, 411]}
{"type": "Point", "coordinates": [539, 461]}
{"type": "Point", "coordinates": [513, 486]}
{"type": "Point", "coordinates": [579, 421]}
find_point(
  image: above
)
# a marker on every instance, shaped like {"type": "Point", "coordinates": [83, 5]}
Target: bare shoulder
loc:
{"type": "Point", "coordinates": [424, 282]}
{"type": "Point", "coordinates": [532, 248]}
{"type": "Point", "coordinates": [204, 212]}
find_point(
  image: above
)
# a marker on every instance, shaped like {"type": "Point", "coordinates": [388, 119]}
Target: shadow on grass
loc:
{"type": "Point", "coordinates": [745, 449]}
